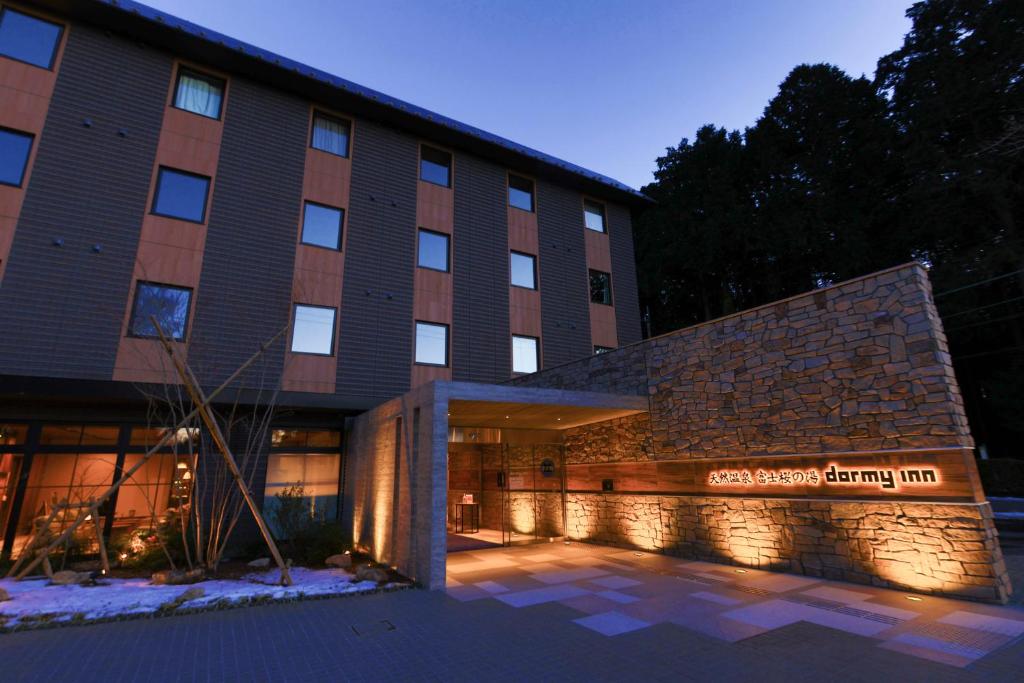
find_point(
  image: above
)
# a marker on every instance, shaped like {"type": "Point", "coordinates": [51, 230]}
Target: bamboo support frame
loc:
{"type": "Point", "coordinates": [42, 556]}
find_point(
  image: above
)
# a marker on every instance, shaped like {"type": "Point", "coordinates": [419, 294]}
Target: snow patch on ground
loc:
{"type": "Point", "coordinates": [32, 599]}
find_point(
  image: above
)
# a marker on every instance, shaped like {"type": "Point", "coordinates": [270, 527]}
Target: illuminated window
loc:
{"type": "Point", "coordinates": [330, 134]}
{"type": "Point", "coordinates": [313, 330]}
{"type": "Point", "coordinates": [602, 349]}
{"type": "Point", "coordinates": [593, 214]}
{"type": "Point", "coordinates": [301, 487]}
{"type": "Point", "coordinates": [168, 304]}
{"type": "Point", "coordinates": [28, 39]}
{"type": "Point", "coordinates": [322, 225]}
{"type": "Point", "coordinates": [435, 166]}
{"type": "Point", "coordinates": [525, 354]}
{"type": "Point", "coordinates": [199, 93]}
{"type": "Point", "coordinates": [520, 192]}
{"type": "Point", "coordinates": [431, 344]}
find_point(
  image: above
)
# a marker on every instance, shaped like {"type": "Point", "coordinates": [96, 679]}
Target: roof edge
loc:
{"type": "Point", "coordinates": [183, 37]}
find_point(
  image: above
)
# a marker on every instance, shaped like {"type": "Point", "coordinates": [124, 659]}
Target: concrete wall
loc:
{"type": "Point", "coordinates": [859, 368]}
{"type": "Point", "coordinates": [395, 485]}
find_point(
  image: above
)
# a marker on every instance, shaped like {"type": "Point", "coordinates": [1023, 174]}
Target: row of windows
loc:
{"type": "Point", "coordinates": [313, 328]}
{"type": "Point", "coordinates": [34, 41]}
{"type": "Point", "coordinates": [433, 249]}
{"type": "Point", "coordinates": [432, 348]}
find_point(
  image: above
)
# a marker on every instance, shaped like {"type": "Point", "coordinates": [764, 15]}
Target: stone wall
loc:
{"type": "Point", "coordinates": [860, 367]}
{"type": "Point", "coordinates": [396, 485]}
{"type": "Point", "coordinates": [950, 549]}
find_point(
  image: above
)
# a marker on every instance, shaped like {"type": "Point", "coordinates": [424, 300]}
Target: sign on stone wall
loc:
{"type": "Point", "coordinates": [942, 474]}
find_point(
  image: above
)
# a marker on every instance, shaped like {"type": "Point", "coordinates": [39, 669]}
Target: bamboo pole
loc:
{"type": "Point", "coordinates": [198, 398]}
{"type": "Point", "coordinates": [142, 461]}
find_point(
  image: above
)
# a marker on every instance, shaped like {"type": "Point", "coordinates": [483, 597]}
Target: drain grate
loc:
{"type": "Point", "coordinates": [841, 608]}
{"type": "Point", "coordinates": [706, 580]}
{"type": "Point", "coordinates": [752, 590]}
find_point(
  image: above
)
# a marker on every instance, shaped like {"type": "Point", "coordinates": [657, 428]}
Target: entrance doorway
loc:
{"type": "Point", "coordinates": [504, 489]}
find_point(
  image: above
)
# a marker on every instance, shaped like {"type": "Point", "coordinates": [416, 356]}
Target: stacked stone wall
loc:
{"type": "Point", "coordinates": [855, 368]}
{"type": "Point", "coordinates": [942, 548]}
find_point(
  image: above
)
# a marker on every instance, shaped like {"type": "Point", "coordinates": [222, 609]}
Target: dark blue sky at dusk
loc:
{"type": "Point", "coordinates": [606, 84]}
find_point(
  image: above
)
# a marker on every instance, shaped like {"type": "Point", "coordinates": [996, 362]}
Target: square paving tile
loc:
{"type": "Point", "coordinates": [567, 575]}
{"type": "Point", "coordinates": [540, 595]}
{"type": "Point", "coordinates": [615, 582]}
{"type": "Point", "coordinates": [717, 598]}
{"type": "Point", "coordinates": [492, 587]}
{"type": "Point", "coordinates": [611, 623]}
{"type": "Point", "coordinates": [836, 594]}
{"type": "Point", "coordinates": [618, 597]}
{"type": "Point", "coordinates": [983, 622]}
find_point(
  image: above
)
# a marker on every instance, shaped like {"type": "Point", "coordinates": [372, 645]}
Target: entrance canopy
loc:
{"type": "Point", "coordinates": [500, 406]}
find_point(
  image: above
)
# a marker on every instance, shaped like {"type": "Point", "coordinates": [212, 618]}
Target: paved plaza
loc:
{"type": "Point", "coordinates": [554, 612]}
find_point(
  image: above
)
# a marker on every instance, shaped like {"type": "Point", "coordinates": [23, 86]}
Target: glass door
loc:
{"type": "Point", "coordinates": [533, 497]}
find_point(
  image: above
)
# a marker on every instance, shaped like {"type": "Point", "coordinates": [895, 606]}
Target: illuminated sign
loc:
{"type": "Point", "coordinates": [884, 478]}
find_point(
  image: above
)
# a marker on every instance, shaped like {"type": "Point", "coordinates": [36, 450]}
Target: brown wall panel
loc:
{"type": "Point", "coordinates": [25, 93]}
{"type": "Point", "coordinates": [433, 291]}
{"type": "Point", "coordinates": [171, 251]}
{"type": "Point", "coordinates": [319, 273]}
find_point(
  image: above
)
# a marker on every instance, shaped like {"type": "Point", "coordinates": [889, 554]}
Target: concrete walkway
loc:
{"type": "Point", "coordinates": [553, 612]}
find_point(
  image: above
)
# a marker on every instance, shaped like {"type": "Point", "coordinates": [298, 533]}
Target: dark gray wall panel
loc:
{"type": "Point", "coordinates": [565, 299]}
{"type": "Point", "coordinates": [375, 352]}
{"type": "Point", "coordinates": [245, 288]}
{"type": "Point", "coordinates": [627, 303]}
{"type": "Point", "coordinates": [63, 306]}
{"type": "Point", "coordinates": [480, 322]}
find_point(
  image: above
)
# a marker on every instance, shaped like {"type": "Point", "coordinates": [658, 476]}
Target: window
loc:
{"type": "Point", "coordinates": [322, 225]}
{"type": "Point", "coordinates": [330, 134]}
{"type": "Point", "coordinates": [523, 268]}
{"type": "Point", "coordinates": [525, 354]}
{"type": "Point", "coordinates": [435, 166]}
{"type": "Point", "coordinates": [313, 330]}
{"type": "Point", "coordinates": [602, 349]}
{"type": "Point", "coordinates": [167, 303]}
{"type": "Point", "coordinates": [198, 93]}
{"type": "Point", "coordinates": [520, 192]}
{"type": "Point", "coordinates": [14, 151]}
{"type": "Point", "coordinates": [432, 251]}
{"type": "Point", "coordinates": [28, 39]}
{"type": "Point", "coordinates": [181, 195]}
{"type": "Point", "coordinates": [312, 476]}
{"type": "Point", "coordinates": [431, 344]}
{"type": "Point", "coordinates": [593, 214]}
{"type": "Point", "coordinates": [600, 287]}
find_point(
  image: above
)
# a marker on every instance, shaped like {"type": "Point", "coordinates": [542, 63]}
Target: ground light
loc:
{"type": "Point", "coordinates": [914, 598]}
{"type": "Point", "coordinates": [740, 571]}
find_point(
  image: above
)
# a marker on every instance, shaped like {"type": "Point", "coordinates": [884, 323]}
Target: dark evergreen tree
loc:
{"type": "Point", "coordinates": [842, 176]}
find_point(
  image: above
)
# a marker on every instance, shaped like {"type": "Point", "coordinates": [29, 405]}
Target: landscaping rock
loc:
{"type": "Point", "coordinates": [261, 563]}
{"type": "Point", "coordinates": [4, 595]}
{"type": "Point", "coordinates": [370, 573]}
{"type": "Point", "coordinates": [193, 593]}
{"type": "Point", "coordinates": [340, 560]}
{"type": "Point", "coordinates": [65, 577]}
{"type": "Point", "coordinates": [177, 577]}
